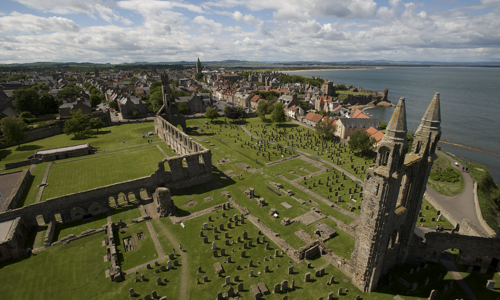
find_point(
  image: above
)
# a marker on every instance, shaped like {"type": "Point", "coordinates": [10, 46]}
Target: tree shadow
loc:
{"type": "Point", "coordinates": [4, 153]}
{"type": "Point", "coordinates": [28, 148]}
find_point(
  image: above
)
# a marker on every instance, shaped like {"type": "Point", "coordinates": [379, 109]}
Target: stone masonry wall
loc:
{"type": "Point", "coordinates": [12, 200]}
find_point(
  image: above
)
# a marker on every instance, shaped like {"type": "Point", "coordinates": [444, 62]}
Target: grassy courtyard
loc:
{"type": "Point", "coordinates": [96, 171]}
{"type": "Point", "coordinates": [76, 270]}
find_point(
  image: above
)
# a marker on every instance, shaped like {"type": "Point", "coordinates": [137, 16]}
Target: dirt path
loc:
{"type": "Point", "coordinates": [184, 272]}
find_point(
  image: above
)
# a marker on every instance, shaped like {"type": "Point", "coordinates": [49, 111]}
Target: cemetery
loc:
{"type": "Point", "coordinates": [261, 212]}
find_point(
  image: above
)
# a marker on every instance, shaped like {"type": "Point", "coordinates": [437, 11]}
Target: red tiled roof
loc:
{"type": "Point", "coordinates": [374, 133]}
{"type": "Point", "coordinates": [358, 114]}
{"type": "Point", "coordinates": [314, 117]}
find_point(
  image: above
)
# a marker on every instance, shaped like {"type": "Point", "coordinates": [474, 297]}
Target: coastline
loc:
{"type": "Point", "coordinates": [469, 148]}
{"type": "Point", "coordinates": [337, 69]}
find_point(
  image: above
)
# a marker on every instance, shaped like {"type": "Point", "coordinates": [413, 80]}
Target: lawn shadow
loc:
{"type": "Point", "coordinates": [27, 189]}
{"type": "Point", "coordinates": [28, 148]}
{"type": "Point", "coordinates": [4, 153]}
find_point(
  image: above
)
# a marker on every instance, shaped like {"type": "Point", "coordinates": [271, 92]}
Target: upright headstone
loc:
{"type": "Point", "coordinates": [432, 295]}
{"type": "Point", "coordinates": [307, 277]}
{"type": "Point", "coordinates": [131, 292]}
{"type": "Point", "coordinates": [277, 288]}
{"type": "Point", "coordinates": [340, 291]}
{"type": "Point", "coordinates": [284, 285]}
{"type": "Point", "coordinates": [240, 287]}
{"type": "Point", "coordinates": [490, 284]}
{"type": "Point", "coordinates": [228, 280]}
{"type": "Point", "coordinates": [290, 270]}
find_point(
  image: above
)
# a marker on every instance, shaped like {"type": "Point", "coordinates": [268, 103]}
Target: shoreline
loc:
{"type": "Point", "coordinates": [338, 69]}
{"type": "Point", "coordinates": [469, 148]}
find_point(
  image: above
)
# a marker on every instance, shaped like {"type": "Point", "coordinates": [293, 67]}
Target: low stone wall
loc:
{"type": "Point", "coordinates": [36, 135]}
{"type": "Point", "coordinates": [18, 164]}
{"type": "Point", "coordinates": [11, 201]}
{"type": "Point", "coordinates": [443, 211]}
{"type": "Point", "coordinates": [483, 223]}
{"type": "Point", "coordinates": [342, 226]}
{"type": "Point", "coordinates": [49, 235]}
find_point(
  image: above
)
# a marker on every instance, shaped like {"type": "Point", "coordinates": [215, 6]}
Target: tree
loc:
{"type": "Point", "coordinates": [241, 109]}
{"type": "Point", "coordinates": [77, 124]}
{"type": "Point", "coordinates": [212, 114]}
{"type": "Point", "coordinates": [95, 100]}
{"type": "Point", "coordinates": [96, 123]}
{"type": "Point", "coordinates": [278, 114]}
{"type": "Point", "coordinates": [113, 105]}
{"type": "Point", "coordinates": [48, 104]}
{"type": "Point", "coordinates": [134, 113]}
{"type": "Point", "coordinates": [67, 92]}
{"type": "Point", "coordinates": [155, 86]}
{"type": "Point", "coordinates": [26, 115]}
{"type": "Point", "coordinates": [13, 130]}
{"type": "Point", "coordinates": [262, 109]}
{"type": "Point", "coordinates": [198, 76]}
{"type": "Point", "coordinates": [360, 141]}
{"type": "Point", "coordinates": [27, 100]}
{"type": "Point", "coordinates": [183, 108]}
{"type": "Point", "coordinates": [326, 128]}
{"type": "Point", "coordinates": [232, 112]}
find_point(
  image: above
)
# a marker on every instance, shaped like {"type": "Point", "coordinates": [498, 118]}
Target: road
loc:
{"type": "Point", "coordinates": [462, 205]}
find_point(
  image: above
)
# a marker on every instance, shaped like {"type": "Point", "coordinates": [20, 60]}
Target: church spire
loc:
{"type": "Point", "coordinates": [432, 117]}
{"type": "Point", "coordinates": [397, 124]}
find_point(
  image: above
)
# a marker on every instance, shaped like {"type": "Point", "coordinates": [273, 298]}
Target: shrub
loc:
{"type": "Point", "coordinates": [448, 175]}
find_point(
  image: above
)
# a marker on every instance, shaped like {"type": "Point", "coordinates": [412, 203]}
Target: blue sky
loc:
{"type": "Point", "coordinates": [258, 30]}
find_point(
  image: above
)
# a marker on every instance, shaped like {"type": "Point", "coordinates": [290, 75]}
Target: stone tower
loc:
{"type": "Point", "coordinates": [327, 88]}
{"type": "Point", "coordinates": [169, 109]}
{"type": "Point", "coordinates": [393, 196]}
{"type": "Point", "coordinates": [165, 91]}
{"type": "Point", "coordinates": [198, 66]}
{"type": "Point", "coordinates": [96, 72]}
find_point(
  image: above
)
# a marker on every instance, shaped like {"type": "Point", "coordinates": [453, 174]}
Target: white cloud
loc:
{"type": "Point", "coordinates": [18, 22]}
{"type": "Point", "coordinates": [90, 7]}
{"type": "Point", "coordinates": [249, 19]}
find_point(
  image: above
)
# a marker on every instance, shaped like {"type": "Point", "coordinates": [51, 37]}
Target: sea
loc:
{"type": "Point", "coordinates": [470, 104]}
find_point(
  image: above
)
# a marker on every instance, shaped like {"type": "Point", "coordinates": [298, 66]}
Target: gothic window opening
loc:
{"type": "Point", "coordinates": [418, 147]}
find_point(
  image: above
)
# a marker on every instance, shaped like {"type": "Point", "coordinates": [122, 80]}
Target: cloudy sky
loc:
{"type": "Point", "coordinates": [258, 30]}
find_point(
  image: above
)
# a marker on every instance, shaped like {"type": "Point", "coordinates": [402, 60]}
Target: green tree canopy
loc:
{"type": "Point", "coordinates": [77, 124]}
{"type": "Point", "coordinates": [96, 123]}
{"type": "Point", "coordinates": [155, 87]}
{"type": "Point", "coordinates": [232, 113]}
{"type": "Point", "coordinates": [27, 100]}
{"type": "Point", "coordinates": [48, 103]}
{"type": "Point", "coordinates": [95, 100]}
{"type": "Point", "coordinates": [212, 114]}
{"type": "Point", "coordinates": [13, 130]}
{"type": "Point", "coordinates": [183, 108]}
{"type": "Point", "coordinates": [326, 128]}
{"type": "Point", "coordinates": [360, 141]}
{"type": "Point", "coordinates": [113, 105]}
{"type": "Point", "coordinates": [278, 114]}
{"type": "Point", "coordinates": [198, 76]}
{"type": "Point", "coordinates": [67, 92]}
{"type": "Point", "coordinates": [262, 110]}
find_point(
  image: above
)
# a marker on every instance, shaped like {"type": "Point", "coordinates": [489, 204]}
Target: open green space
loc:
{"type": "Point", "coordinates": [108, 138]}
{"type": "Point", "coordinates": [31, 191]}
{"type": "Point", "coordinates": [100, 171]}
{"type": "Point", "coordinates": [320, 185]}
{"type": "Point", "coordinates": [125, 213]}
{"type": "Point", "coordinates": [428, 214]}
{"type": "Point", "coordinates": [478, 281]}
{"type": "Point", "coordinates": [442, 186]}
{"type": "Point", "coordinates": [200, 254]}
{"type": "Point", "coordinates": [77, 227]}
{"type": "Point", "coordinates": [144, 249]}
{"type": "Point", "coordinates": [488, 191]}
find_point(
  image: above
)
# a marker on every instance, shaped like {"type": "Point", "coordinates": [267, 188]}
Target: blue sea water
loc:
{"type": "Point", "coordinates": [470, 103]}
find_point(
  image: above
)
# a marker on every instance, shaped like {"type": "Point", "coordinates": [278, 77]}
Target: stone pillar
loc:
{"type": "Point", "coordinates": [163, 201]}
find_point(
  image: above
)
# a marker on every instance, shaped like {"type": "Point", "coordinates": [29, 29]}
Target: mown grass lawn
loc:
{"type": "Point", "coordinates": [31, 190]}
{"type": "Point", "coordinates": [81, 175]}
{"type": "Point", "coordinates": [108, 138]}
{"type": "Point", "coordinates": [444, 187]}
{"type": "Point", "coordinates": [430, 213]}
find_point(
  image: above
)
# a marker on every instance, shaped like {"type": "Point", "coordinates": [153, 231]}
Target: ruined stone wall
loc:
{"type": "Point", "coordinates": [11, 201]}
{"type": "Point", "coordinates": [474, 251]}
{"type": "Point", "coordinates": [36, 135]}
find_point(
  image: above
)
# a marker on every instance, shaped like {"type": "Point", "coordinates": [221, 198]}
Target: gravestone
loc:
{"type": "Point", "coordinates": [339, 292]}
{"type": "Point", "coordinates": [250, 263]}
{"type": "Point", "coordinates": [266, 269]}
{"type": "Point", "coordinates": [222, 252]}
{"type": "Point", "coordinates": [205, 240]}
{"type": "Point", "coordinates": [414, 287]}
{"type": "Point", "coordinates": [284, 285]}
{"type": "Point", "coordinates": [131, 292]}
{"type": "Point", "coordinates": [432, 295]}
{"type": "Point", "coordinates": [332, 279]}
{"type": "Point", "coordinates": [277, 288]}
{"type": "Point", "coordinates": [330, 296]}
{"type": "Point", "coordinates": [267, 246]}
{"type": "Point", "coordinates": [163, 269]}
{"type": "Point", "coordinates": [228, 280]}
{"type": "Point", "coordinates": [226, 235]}
{"type": "Point", "coordinates": [169, 265]}
{"type": "Point", "coordinates": [230, 292]}
{"type": "Point", "coordinates": [205, 226]}
{"type": "Point", "coordinates": [426, 281]}
{"type": "Point", "coordinates": [240, 287]}
{"type": "Point", "coordinates": [229, 259]}
{"type": "Point", "coordinates": [153, 294]}
{"type": "Point", "coordinates": [216, 236]}
{"type": "Point", "coordinates": [251, 273]}
{"type": "Point", "coordinates": [490, 284]}
{"type": "Point", "coordinates": [205, 278]}
{"type": "Point", "coordinates": [243, 254]}
{"type": "Point", "coordinates": [214, 246]}
{"type": "Point", "coordinates": [290, 270]}
{"type": "Point", "coordinates": [307, 277]}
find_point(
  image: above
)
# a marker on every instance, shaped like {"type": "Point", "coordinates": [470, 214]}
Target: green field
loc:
{"type": "Point", "coordinates": [444, 187]}
{"type": "Point", "coordinates": [96, 171]}
{"type": "Point", "coordinates": [108, 138]}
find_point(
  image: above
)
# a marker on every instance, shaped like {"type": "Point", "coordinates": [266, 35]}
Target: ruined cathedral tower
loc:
{"type": "Point", "coordinates": [169, 110]}
{"type": "Point", "coordinates": [393, 196]}
{"type": "Point", "coordinates": [198, 66]}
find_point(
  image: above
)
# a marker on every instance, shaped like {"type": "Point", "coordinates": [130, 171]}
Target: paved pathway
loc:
{"type": "Point", "coordinates": [462, 205]}
{"type": "Point", "coordinates": [447, 261]}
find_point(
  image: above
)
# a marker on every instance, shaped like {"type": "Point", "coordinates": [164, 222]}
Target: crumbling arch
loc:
{"type": "Point", "coordinates": [76, 213]}
{"type": "Point", "coordinates": [96, 208]}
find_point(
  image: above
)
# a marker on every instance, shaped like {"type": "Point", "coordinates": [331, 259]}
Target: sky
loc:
{"type": "Point", "coordinates": [107, 31]}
